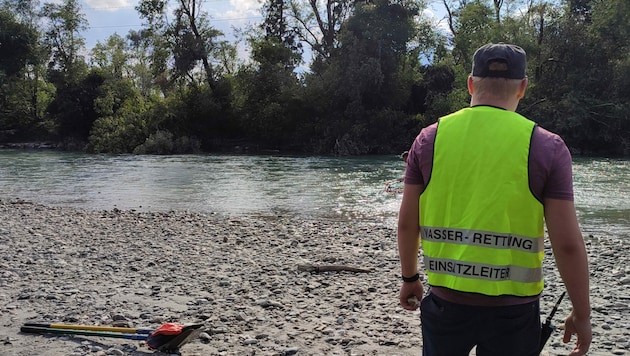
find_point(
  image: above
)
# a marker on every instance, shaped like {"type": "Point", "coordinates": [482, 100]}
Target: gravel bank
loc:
{"type": "Point", "coordinates": [240, 278]}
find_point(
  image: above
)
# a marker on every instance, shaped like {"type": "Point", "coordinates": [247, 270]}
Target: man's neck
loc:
{"type": "Point", "coordinates": [510, 105]}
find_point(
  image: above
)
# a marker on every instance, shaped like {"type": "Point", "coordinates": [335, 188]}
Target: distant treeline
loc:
{"type": "Point", "coordinates": [377, 72]}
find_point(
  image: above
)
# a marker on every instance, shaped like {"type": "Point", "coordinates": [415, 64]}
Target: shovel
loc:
{"type": "Point", "coordinates": [169, 337]}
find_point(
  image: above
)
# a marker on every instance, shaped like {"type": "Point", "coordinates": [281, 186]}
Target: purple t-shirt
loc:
{"type": "Point", "coordinates": [550, 163]}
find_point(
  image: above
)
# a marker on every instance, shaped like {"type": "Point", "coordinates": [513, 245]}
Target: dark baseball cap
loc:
{"type": "Point", "coordinates": [488, 59]}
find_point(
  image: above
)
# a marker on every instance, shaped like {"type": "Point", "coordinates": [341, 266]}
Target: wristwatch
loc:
{"type": "Point", "coordinates": [413, 278]}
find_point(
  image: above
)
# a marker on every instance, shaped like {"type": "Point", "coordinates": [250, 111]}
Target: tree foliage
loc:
{"type": "Point", "coordinates": [322, 77]}
{"type": "Point", "coordinates": [581, 60]}
{"type": "Point", "coordinates": [17, 49]}
{"type": "Point", "coordinates": [187, 37]}
{"type": "Point", "coordinates": [63, 39]}
{"type": "Point", "coordinates": [18, 43]}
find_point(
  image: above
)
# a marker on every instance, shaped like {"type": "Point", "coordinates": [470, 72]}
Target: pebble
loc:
{"type": "Point", "coordinates": [290, 351]}
{"type": "Point", "coordinates": [238, 277]}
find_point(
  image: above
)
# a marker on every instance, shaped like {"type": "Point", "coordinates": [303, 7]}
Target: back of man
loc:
{"type": "Point", "coordinates": [477, 187]}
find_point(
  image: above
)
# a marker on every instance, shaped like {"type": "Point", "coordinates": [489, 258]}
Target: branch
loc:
{"type": "Point", "coordinates": [450, 17]}
{"type": "Point", "coordinates": [331, 268]}
{"type": "Point", "coordinates": [533, 104]}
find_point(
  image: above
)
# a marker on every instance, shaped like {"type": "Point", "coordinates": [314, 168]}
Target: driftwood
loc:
{"type": "Point", "coordinates": [331, 268]}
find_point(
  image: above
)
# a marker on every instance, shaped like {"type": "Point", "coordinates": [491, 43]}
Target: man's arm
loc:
{"type": "Point", "coordinates": [571, 260]}
{"type": "Point", "coordinates": [409, 243]}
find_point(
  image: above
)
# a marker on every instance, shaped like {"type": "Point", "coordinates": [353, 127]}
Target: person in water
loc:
{"type": "Point", "coordinates": [394, 186]}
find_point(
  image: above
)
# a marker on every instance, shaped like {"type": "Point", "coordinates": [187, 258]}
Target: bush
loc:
{"type": "Point", "coordinates": [159, 143]}
{"type": "Point", "coordinates": [116, 134]}
{"type": "Point", "coordinates": [186, 144]}
{"type": "Point", "coordinates": [162, 143]}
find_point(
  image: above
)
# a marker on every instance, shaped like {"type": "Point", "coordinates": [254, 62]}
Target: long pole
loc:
{"type": "Point", "coordinates": [114, 329]}
{"type": "Point", "coordinates": [42, 330]}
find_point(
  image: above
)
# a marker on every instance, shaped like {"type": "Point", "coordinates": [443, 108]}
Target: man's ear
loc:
{"type": "Point", "coordinates": [470, 85]}
{"type": "Point", "coordinates": [522, 88]}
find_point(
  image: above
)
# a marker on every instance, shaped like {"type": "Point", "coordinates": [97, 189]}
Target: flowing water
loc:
{"type": "Point", "coordinates": [312, 187]}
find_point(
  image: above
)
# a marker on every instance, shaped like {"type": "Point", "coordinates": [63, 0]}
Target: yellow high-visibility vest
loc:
{"type": "Point", "coordinates": [481, 226]}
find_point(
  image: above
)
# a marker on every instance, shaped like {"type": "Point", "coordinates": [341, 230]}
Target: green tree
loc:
{"type": "Point", "coordinates": [189, 63]}
{"type": "Point", "coordinates": [139, 62]}
{"type": "Point", "coordinates": [112, 57]}
{"type": "Point", "coordinates": [266, 88]}
{"type": "Point", "coordinates": [18, 43]}
{"type": "Point", "coordinates": [24, 10]}
{"type": "Point", "coordinates": [188, 38]}
{"type": "Point", "coordinates": [74, 111]}
{"type": "Point", "coordinates": [318, 22]}
{"type": "Point", "coordinates": [474, 27]}
{"type": "Point", "coordinates": [364, 90]}
{"type": "Point", "coordinates": [72, 108]}
{"type": "Point", "coordinates": [121, 118]}
{"type": "Point", "coordinates": [65, 22]}
{"type": "Point", "coordinates": [277, 31]}
{"type": "Point", "coordinates": [576, 89]}
{"type": "Point", "coordinates": [264, 92]}
{"type": "Point", "coordinates": [19, 68]}
{"type": "Point", "coordinates": [374, 44]}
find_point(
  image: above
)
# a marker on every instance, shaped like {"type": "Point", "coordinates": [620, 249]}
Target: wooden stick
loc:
{"type": "Point", "coordinates": [331, 268]}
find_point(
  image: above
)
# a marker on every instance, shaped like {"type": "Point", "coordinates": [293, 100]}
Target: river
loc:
{"type": "Point", "coordinates": [312, 187]}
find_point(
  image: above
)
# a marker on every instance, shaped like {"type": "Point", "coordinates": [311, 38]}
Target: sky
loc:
{"type": "Point", "coordinates": [106, 17]}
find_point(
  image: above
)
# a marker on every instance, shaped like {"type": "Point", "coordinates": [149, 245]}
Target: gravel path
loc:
{"type": "Point", "coordinates": [240, 278]}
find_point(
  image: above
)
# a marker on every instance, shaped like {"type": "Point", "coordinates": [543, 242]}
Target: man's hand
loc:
{"type": "Point", "coordinates": [572, 262]}
{"type": "Point", "coordinates": [408, 245]}
{"type": "Point", "coordinates": [411, 294]}
{"type": "Point", "coordinates": [581, 327]}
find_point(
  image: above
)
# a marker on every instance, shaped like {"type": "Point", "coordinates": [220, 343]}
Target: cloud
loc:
{"type": "Point", "coordinates": [241, 10]}
{"type": "Point", "coordinates": [109, 5]}
{"type": "Point", "coordinates": [437, 18]}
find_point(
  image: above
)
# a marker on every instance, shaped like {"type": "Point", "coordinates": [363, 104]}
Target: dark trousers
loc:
{"type": "Point", "coordinates": [450, 329]}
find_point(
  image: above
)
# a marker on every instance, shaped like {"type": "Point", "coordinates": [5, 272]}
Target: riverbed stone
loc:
{"type": "Point", "coordinates": [238, 277]}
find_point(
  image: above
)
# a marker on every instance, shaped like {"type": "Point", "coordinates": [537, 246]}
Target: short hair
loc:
{"type": "Point", "coordinates": [500, 88]}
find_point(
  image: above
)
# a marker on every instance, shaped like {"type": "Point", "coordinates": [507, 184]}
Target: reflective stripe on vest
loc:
{"type": "Point", "coordinates": [482, 238]}
{"type": "Point", "coordinates": [481, 227]}
{"type": "Point", "coordinates": [482, 270]}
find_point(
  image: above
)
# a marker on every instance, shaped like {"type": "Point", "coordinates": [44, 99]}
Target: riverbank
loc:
{"type": "Point", "coordinates": [240, 278]}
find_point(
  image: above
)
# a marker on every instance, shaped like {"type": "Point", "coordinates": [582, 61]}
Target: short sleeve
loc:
{"type": "Point", "coordinates": [551, 166]}
{"type": "Point", "coordinates": [420, 159]}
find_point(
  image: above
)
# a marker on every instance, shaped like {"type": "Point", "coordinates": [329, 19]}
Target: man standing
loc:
{"type": "Point", "coordinates": [479, 186]}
